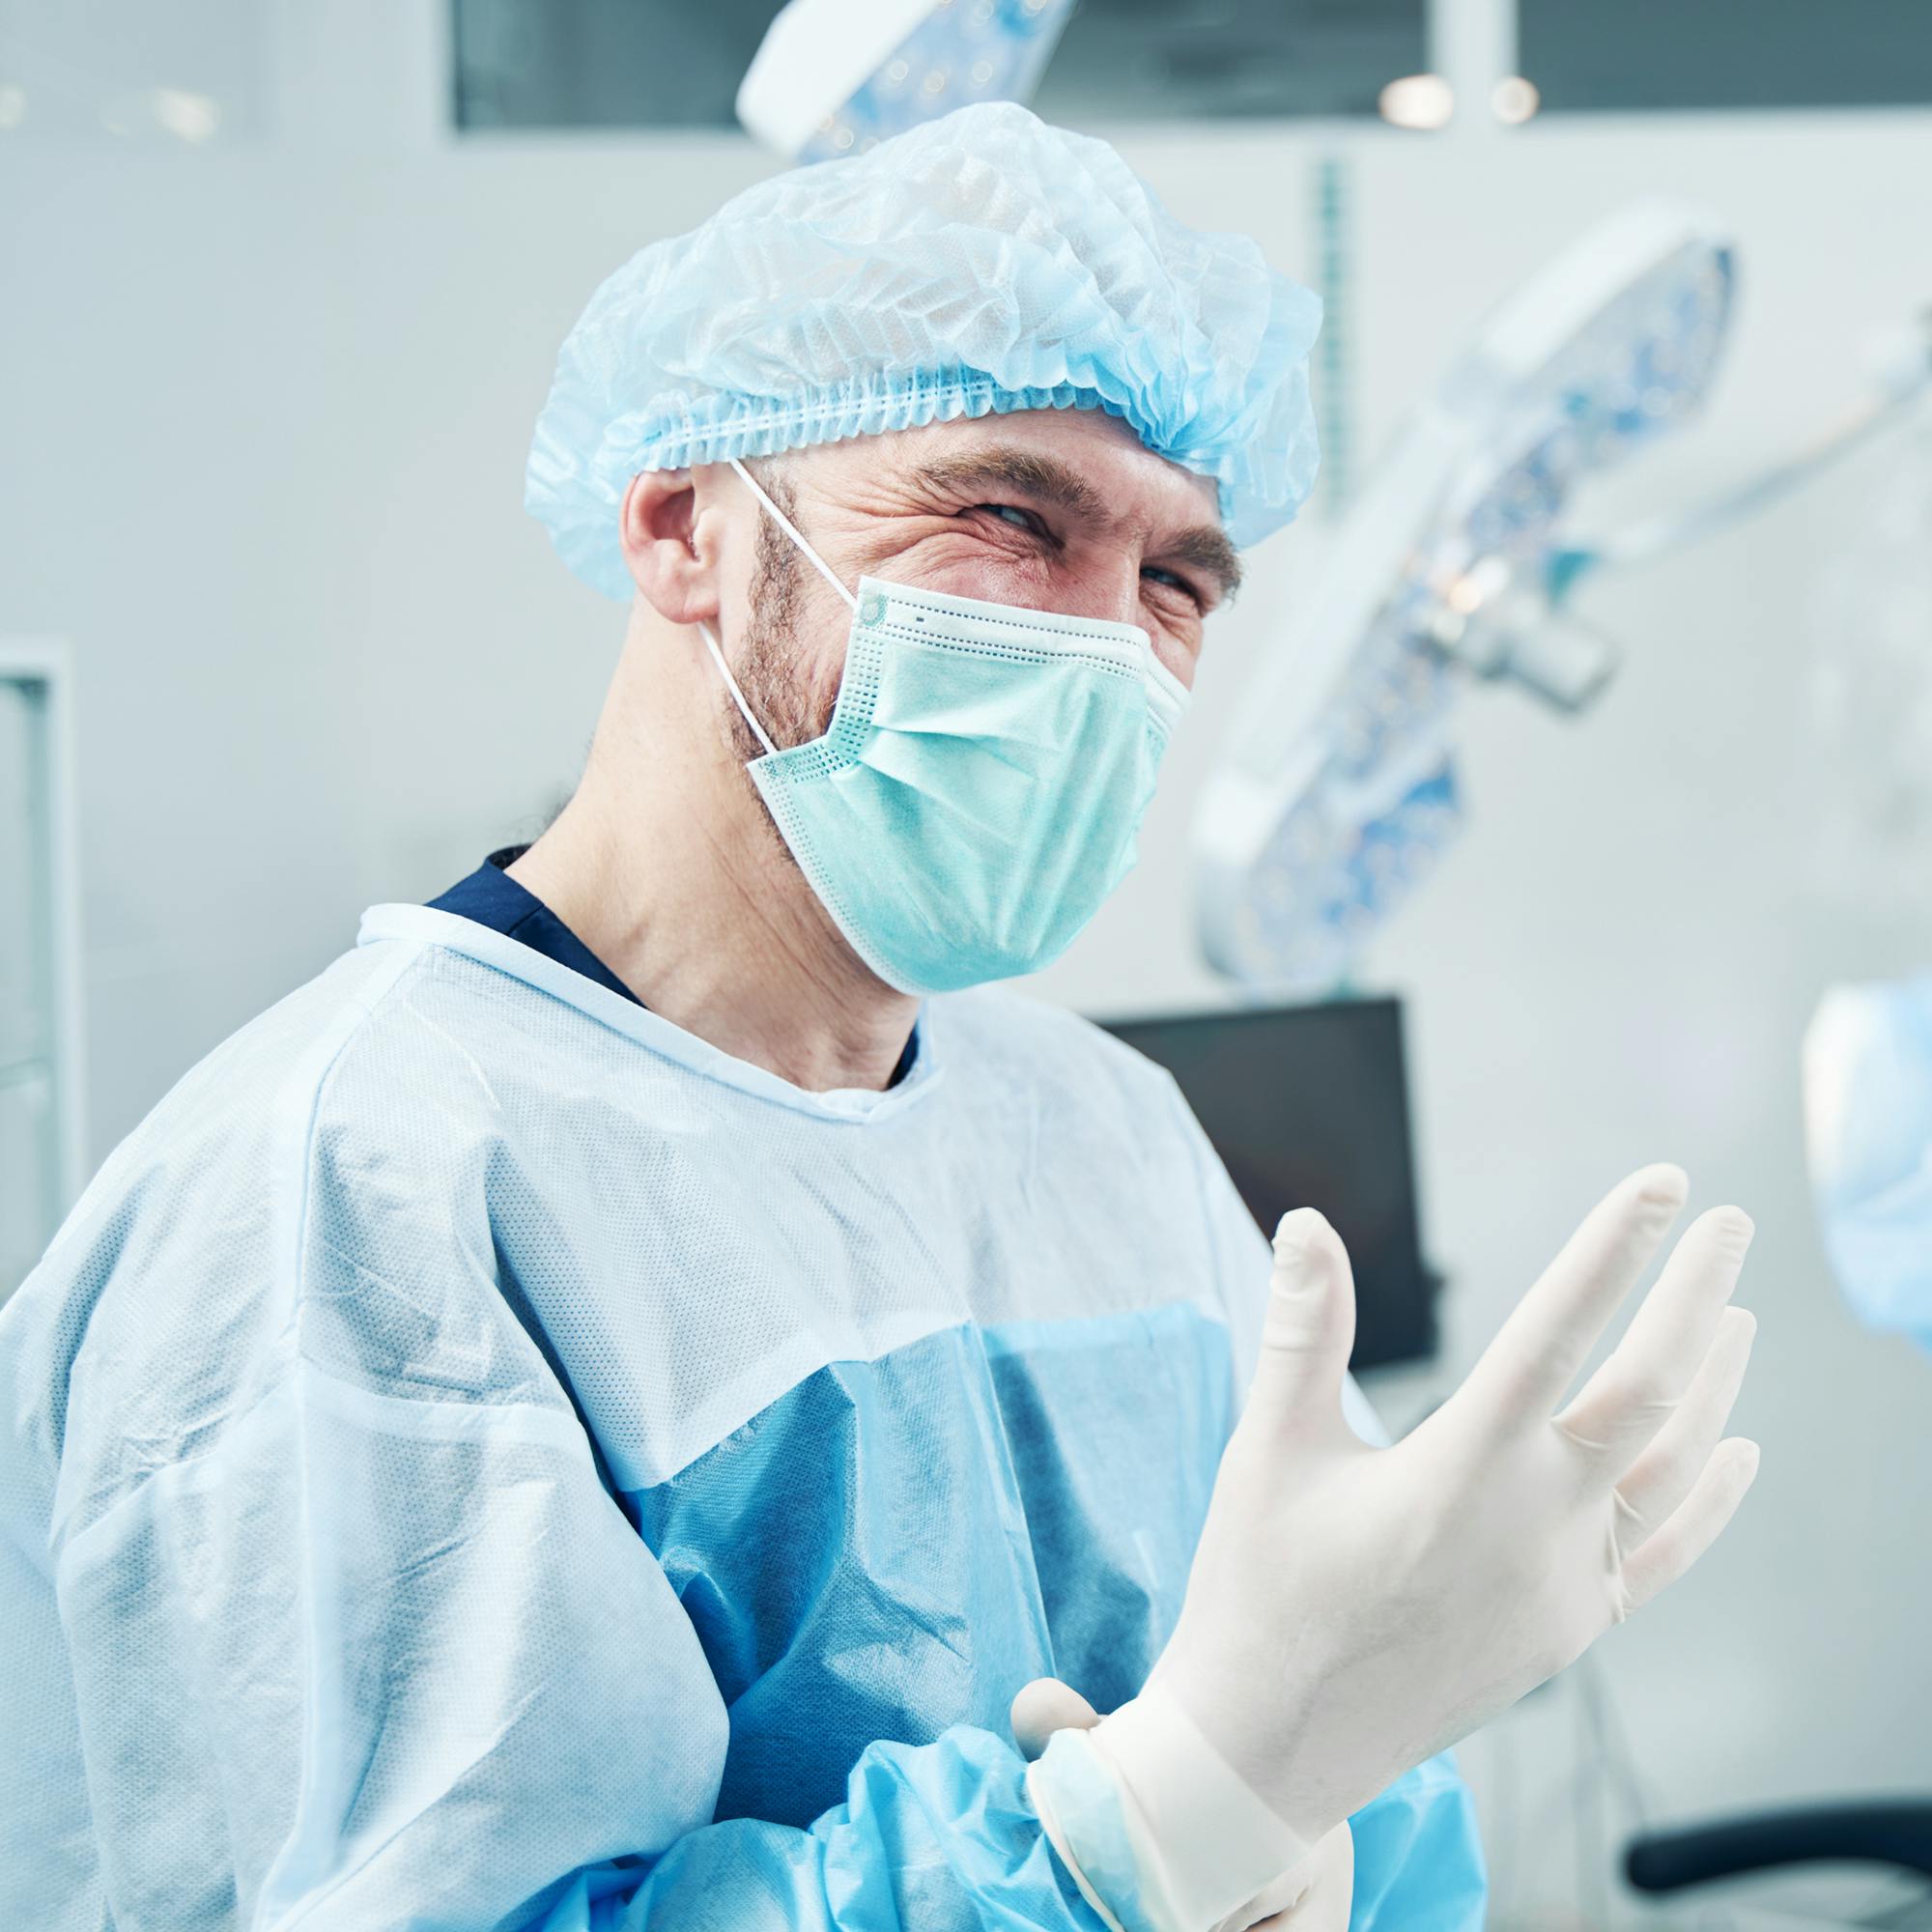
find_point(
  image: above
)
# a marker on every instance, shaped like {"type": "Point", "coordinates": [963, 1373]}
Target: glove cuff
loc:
{"type": "Point", "coordinates": [1159, 1832]}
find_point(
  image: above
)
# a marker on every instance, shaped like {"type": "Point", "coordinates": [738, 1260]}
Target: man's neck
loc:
{"type": "Point", "coordinates": [664, 864]}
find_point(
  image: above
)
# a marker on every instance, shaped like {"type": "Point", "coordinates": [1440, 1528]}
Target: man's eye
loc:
{"type": "Point", "coordinates": [1020, 519]}
{"type": "Point", "coordinates": [1180, 584]}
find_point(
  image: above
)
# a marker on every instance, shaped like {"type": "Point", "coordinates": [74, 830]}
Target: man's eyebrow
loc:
{"type": "Point", "coordinates": [1048, 480]}
{"type": "Point", "coordinates": [1207, 549]}
{"type": "Point", "coordinates": [1026, 471]}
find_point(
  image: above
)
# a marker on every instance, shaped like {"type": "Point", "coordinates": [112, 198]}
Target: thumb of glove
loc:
{"type": "Point", "coordinates": [1309, 1329]}
{"type": "Point", "coordinates": [1044, 1706]}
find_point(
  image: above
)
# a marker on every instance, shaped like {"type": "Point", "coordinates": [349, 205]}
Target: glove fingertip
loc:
{"type": "Point", "coordinates": [1299, 1232]}
{"type": "Point", "coordinates": [1664, 1184]}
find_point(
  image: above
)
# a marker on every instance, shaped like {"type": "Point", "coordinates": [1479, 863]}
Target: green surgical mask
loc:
{"type": "Point", "coordinates": [978, 791]}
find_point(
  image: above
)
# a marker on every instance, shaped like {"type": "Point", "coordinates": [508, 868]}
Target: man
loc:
{"type": "Point", "coordinates": [588, 1413]}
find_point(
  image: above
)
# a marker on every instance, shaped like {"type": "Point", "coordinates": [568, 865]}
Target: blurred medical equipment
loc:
{"type": "Point", "coordinates": [1867, 1057]}
{"type": "Point", "coordinates": [1868, 713]}
{"type": "Point", "coordinates": [1868, 1135]}
{"type": "Point", "coordinates": [868, 295]}
{"type": "Point", "coordinates": [1339, 793]}
{"type": "Point", "coordinates": [42, 1142]}
{"type": "Point", "coordinates": [1875, 1266]}
{"type": "Point", "coordinates": [1883, 1831]}
{"type": "Point", "coordinates": [1867, 1069]}
{"type": "Point", "coordinates": [835, 76]}
{"type": "Point", "coordinates": [1308, 1106]}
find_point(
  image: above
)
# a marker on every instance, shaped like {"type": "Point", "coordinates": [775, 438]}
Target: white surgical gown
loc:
{"type": "Point", "coordinates": [478, 1455]}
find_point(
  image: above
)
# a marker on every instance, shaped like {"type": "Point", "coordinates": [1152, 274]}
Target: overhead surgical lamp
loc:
{"type": "Point", "coordinates": [834, 76]}
{"type": "Point", "coordinates": [1339, 793]}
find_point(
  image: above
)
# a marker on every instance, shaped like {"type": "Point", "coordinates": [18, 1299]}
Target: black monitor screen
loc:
{"type": "Point", "coordinates": [1308, 1106]}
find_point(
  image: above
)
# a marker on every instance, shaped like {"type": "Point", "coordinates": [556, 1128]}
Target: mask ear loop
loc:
{"type": "Point", "coordinates": [738, 696]}
{"type": "Point", "coordinates": [785, 524]}
{"type": "Point", "coordinates": [824, 570]}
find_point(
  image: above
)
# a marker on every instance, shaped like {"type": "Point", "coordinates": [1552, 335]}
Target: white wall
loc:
{"type": "Point", "coordinates": [265, 405]}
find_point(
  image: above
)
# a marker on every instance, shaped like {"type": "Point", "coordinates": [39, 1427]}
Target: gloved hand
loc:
{"type": "Point", "coordinates": [1313, 1894]}
{"type": "Point", "coordinates": [1354, 1610]}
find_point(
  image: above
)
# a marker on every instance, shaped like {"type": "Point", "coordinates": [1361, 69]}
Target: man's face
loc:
{"type": "Point", "coordinates": [1060, 510]}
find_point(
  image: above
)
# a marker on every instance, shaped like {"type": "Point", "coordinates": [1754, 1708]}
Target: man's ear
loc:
{"type": "Point", "coordinates": [662, 547]}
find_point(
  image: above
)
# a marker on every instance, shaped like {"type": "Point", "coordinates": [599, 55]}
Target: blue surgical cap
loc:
{"type": "Point", "coordinates": [977, 265]}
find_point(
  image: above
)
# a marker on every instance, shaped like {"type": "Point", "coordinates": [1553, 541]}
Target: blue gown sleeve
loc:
{"type": "Point", "coordinates": [936, 1836]}
{"type": "Point", "coordinates": [1418, 1859]}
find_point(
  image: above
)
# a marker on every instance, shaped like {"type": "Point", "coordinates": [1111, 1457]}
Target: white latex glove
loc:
{"type": "Point", "coordinates": [1353, 1610]}
{"type": "Point", "coordinates": [1314, 1895]}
